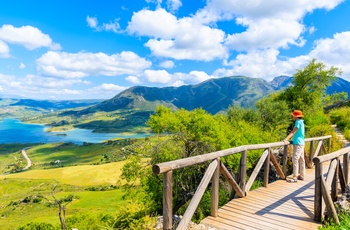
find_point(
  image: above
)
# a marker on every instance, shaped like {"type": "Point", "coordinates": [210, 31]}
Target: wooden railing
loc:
{"type": "Point", "coordinates": [327, 188]}
{"type": "Point", "coordinates": [242, 187]}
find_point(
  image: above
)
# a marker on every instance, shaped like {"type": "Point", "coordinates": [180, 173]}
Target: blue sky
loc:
{"type": "Point", "coordinates": [74, 49]}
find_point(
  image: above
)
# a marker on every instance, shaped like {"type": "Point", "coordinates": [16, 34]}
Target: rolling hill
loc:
{"type": "Point", "coordinates": [132, 107]}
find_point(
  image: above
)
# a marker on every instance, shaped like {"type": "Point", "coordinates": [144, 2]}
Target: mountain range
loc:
{"type": "Point", "coordinates": [214, 95]}
{"type": "Point", "coordinates": [130, 109]}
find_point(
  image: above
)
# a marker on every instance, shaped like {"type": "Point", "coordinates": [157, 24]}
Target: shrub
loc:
{"type": "Point", "coordinates": [38, 226]}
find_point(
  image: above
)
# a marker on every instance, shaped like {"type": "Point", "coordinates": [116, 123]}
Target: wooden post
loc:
{"type": "Point", "coordinates": [328, 201]}
{"type": "Point", "coordinates": [167, 200]}
{"type": "Point", "coordinates": [243, 170]}
{"type": "Point", "coordinates": [215, 190]}
{"type": "Point", "coordinates": [285, 158]}
{"type": "Point", "coordinates": [334, 187]}
{"type": "Point", "coordinates": [277, 166]}
{"type": "Point", "coordinates": [231, 180]}
{"type": "Point", "coordinates": [318, 190]}
{"type": "Point", "coordinates": [346, 167]}
{"type": "Point", "coordinates": [186, 218]}
{"type": "Point", "coordinates": [267, 168]}
{"type": "Point", "coordinates": [312, 143]}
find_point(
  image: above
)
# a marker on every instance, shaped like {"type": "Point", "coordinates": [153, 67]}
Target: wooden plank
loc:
{"type": "Point", "coordinates": [341, 177]}
{"type": "Point", "coordinates": [254, 221]}
{"type": "Point", "coordinates": [222, 224]}
{"type": "Point", "coordinates": [318, 150]}
{"type": "Point", "coordinates": [329, 202]}
{"type": "Point", "coordinates": [288, 203]}
{"type": "Point", "coordinates": [331, 172]}
{"type": "Point", "coordinates": [284, 159]}
{"type": "Point", "coordinates": [257, 210]}
{"type": "Point", "coordinates": [231, 180]}
{"type": "Point", "coordinates": [167, 200]}
{"type": "Point", "coordinates": [267, 168]}
{"type": "Point", "coordinates": [277, 166]}
{"type": "Point", "coordinates": [256, 170]}
{"type": "Point", "coordinates": [267, 223]}
{"type": "Point", "coordinates": [215, 190]}
{"type": "Point", "coordinates": [198, 195]}
{"type": "Point", "coordinates": [243, 170]}
{"type": "Point", "coordinates": [278, 218]}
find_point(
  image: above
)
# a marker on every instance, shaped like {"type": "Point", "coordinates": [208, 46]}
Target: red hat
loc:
{"type": "Point", "coordinates": [297, 113]}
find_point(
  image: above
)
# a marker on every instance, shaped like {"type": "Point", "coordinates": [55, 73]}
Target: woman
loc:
{"type": "Point", "coordinates": [298, 134]}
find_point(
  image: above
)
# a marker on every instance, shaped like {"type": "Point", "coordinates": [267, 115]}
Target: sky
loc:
{"type": "Point", "coordinates": [75, 49]}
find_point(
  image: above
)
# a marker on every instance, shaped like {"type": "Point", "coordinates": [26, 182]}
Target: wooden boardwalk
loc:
{"type": "Point", "coordinates": [281, 205]}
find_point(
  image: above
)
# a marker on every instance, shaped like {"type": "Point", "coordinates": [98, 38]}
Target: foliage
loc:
{"type": "Point", "coordinates": [38, 226]}
{"type": "Point", "coordinates": [344, 219]}
{"type": "Point", "coordinates": [133, 215]}
{"type": "Point", "coordinates": [273, 113]}
{"type": "Point", "coordinates": [341, 117]}
{"type": "Point", "coordinates": [90, 221]}
{"type": "Point", "coordinates": [335, 98]}
{"type": "Point", "coordinates": [309, 87]}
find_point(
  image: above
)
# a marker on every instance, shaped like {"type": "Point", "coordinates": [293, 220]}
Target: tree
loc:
{"type": "Point", "coordinates": [309, 86]}
{"type": "Point", "coordinates": [335, 98]}
{"type": "Point", "coordinates": [274, 114]}
{"type": "Point", "coordinates": [62, 203]}
{"type": "Point", "coordinates": [184, 134]}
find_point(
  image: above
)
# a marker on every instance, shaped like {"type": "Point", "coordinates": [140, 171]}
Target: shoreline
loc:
{"type": "Point", "coordinates": [16, 131]}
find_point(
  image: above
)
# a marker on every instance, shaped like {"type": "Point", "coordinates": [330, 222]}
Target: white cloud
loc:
{"type": "Point", "coordinates": [174, 5]}
{"type": "Point", "coordinates": [22, 66]}
{"type": "Point", "coordinates": [6, 78]}
{"type": "Point", "coordinates": [334, 52]}
{"type": "Point", "coordinates": [269, 24]}
{"type": "Point", "coordinates": [49, 82]}
{"type": "Point", "coordinates": [109, 87]}
{"type": "Point", "coordinates": [28, 36]}
{"type": "Point", "coordinates": [92, 21]}
{"type": "Point", "coordinates": [167, 64]}
{"type": "Point", "coordinates": [266, 33]}
{"type": "Point", "coordinates": [112, 26]}
{"type": "Point", "coordinates": [133, 80]}
{"type": "Point", "coordinates": [4, 50]}
{"type": "Point", "coordinates": [82, 64]}
{"type": "Point", "coordinates": [179, 39]}
{"type": "Point", "coordinates": [39, 87]}
{"type": "Point", "coordinates": [262, 64]}
{"type": "Point", "coordinates": [157, 76]}
{"type": "Point", "coordinates": [162, 77]}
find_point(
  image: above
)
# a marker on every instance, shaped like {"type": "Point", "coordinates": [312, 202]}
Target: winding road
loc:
{"type": "Point", "coordinates": [29, 162]}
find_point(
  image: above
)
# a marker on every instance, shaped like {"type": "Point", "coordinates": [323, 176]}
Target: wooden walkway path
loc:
{"type": "Point", "coordinates": [281, 205]}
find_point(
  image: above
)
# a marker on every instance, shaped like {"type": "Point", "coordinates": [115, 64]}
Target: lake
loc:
{"type": "Point", "coordinates": [14, 131]}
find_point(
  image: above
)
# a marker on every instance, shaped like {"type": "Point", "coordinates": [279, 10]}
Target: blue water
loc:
{"type": "Point", "coordinates": [14, 131]}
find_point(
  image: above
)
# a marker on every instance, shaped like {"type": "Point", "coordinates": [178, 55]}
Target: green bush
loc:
{"type": "Point", "coordinates": [38, 226]}
{"type": "Point", "coordinates": [90, 221]}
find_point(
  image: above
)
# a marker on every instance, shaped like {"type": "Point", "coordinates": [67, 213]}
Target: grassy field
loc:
{"type": "Point", "coordinates": [82, 175]}
{"type": "Point", "coordinates": [16, 212]}
{"type": "Point", "coordinates": [83, 172]}
{"type": "Point", "coordinates": [44, 156]}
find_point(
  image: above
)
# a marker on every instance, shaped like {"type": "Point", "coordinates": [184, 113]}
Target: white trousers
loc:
{"type": "Point", "coordinates": [298, 160]}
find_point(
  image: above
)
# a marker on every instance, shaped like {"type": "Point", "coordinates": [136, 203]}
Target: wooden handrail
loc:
{"type": "Point", "coordinates": [185, 162]}
{"type": "Point", "coordinates": [323, 186]}
{"type": "Point", "coordinates": [213, 172]}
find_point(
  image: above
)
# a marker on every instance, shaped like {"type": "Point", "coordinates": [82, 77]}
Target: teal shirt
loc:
{"type": "Point", "coordinates": [299, 135]}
